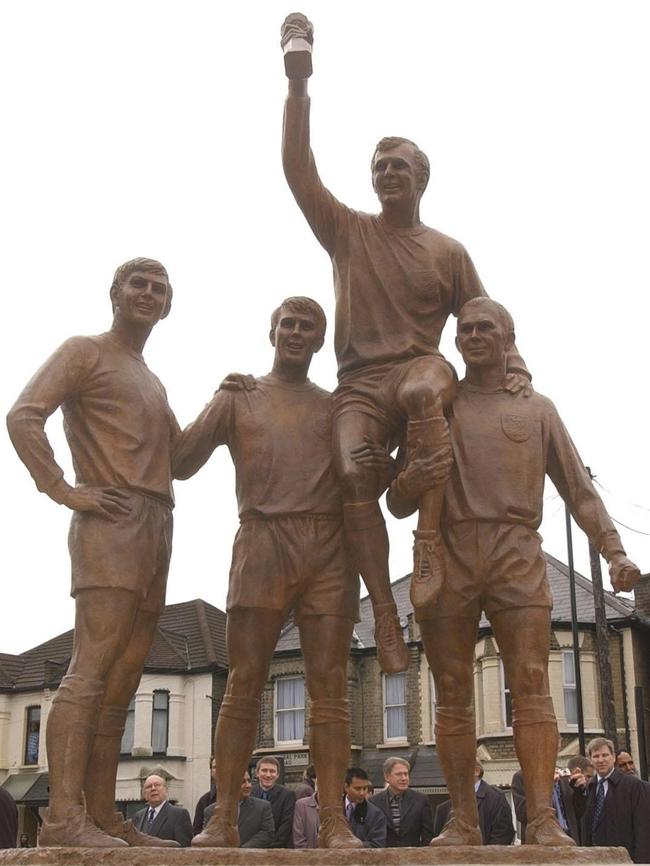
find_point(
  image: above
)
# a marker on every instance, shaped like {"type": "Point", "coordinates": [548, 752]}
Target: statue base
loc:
{"type": "Point", "coordinates": [465, 855]}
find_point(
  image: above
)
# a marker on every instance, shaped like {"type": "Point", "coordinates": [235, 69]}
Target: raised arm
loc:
{"type": "Point", "coordinates": [567, 471]}
{"type": "Point", "coordinates": [315, 201]}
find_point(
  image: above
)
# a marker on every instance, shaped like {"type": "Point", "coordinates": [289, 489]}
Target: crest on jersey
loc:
{"type": "Point", "coordinates": [516, 427]}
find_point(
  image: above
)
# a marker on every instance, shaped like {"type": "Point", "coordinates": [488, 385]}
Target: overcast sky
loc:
{"type": "Point", "coordinates": [153, 128]}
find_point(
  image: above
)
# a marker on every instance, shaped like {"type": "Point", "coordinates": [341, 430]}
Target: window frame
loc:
{"type": "Point", "coordinates": [506, 698]}
{"type": "Point", "coordinates": [29, 720]}
{"type": "Point", "coordinates": [277, 710]}
{"type": "Point", "coordinates": [385, 707]}
{"type": "Point", "coordinates": [129, 728]}
{"type": "Point", "coordinates": [569, 688]}
{"type": "Point", "coordinates": [155, 710]}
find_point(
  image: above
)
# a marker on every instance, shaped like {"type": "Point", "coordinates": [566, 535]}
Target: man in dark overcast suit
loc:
{"type": "Point", "coordinates": [161, 818]}
{"type": "Point", "coordinates": [494, 815]}
{"type": "Point", "coordinates": [254, 818]}
{"type": "Point", "coordinates": [408, 813]}
{"type": "Point", "coordinates": [282, 800]}
{"type": "Point", "coordinates": [617, 805]}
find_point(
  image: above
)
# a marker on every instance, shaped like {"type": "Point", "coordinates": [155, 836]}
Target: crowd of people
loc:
{"type": "Point", "coordinates": [598, 800]}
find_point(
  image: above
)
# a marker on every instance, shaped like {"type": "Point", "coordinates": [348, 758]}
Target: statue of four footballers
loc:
{"type": "Point", "coordinates": [310, 469]}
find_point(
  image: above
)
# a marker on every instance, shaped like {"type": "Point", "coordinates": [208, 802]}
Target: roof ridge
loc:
{"type": "Point", "coordinates": [184, 656]}
{"type": "Point", "coordinates": [204, 628]}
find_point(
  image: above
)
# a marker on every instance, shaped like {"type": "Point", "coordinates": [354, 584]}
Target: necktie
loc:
{"type": "Point", "coordinates": [150, 818]}
{"type": "Point", "coordinates": [396, 812]}
{"type": "Point", "coordinates": [600, 804]}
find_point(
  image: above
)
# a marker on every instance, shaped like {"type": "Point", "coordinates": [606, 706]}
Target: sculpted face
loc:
{"type": "Point", "coordinates": [296, 337]}
{"type": "Point", "coordinates": [394, 176]}
{"type": "Point", "coordinates": [267, 775]}
{"type": "Point", "coordinates": [357, 790]}
{"type": "Point", "coordinates": [141, 298]}
{"type": "Point", "coordinates": [154, 791]}
{"type": "Point", "coordinates": [398, 778]}
{"type": "Point", "coordinates": [480, 337]}
{"type": "Point", "coordinates": [603, 760]}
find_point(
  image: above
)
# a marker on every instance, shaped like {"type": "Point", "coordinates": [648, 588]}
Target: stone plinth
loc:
{"type": "Point", "coordinates": [489, 855]}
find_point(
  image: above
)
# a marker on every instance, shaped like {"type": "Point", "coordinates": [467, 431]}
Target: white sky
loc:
{"type": "Point", "coordinates": [153, 128]}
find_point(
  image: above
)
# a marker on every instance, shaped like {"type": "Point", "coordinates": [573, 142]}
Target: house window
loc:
{"type": "Point", "coordinates": [569, 688]}
{"type": "Point", "coordinates": [32, 734]}
{"type": "Point", "coordinates": [289, 710]}
{"type": "Point", "coordinates": [395, 706]}
{"type": "Point", "coordinates": [129, 728]}
{"type": "Point", "coordinates": [432, 705]}
{"type": "Point", "coordinates": [506, 700]}
{"type": "Point", "coordinates": [160, 722]}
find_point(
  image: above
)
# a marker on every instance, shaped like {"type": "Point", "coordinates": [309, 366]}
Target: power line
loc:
{"type": "Point", "coordinates": [611, 493]}
{"type": "Point", "coordinates": [637, 531]}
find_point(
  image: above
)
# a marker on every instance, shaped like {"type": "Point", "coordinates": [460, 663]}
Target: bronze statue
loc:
{"type": "Point", "coordinates": [120, 430]}
{"type": "Point", "coordinates": [289, 554]}
{"type": "Point", "coordinates": [503, 446]}
{"type": "Point", "coordinates": [396, 282]}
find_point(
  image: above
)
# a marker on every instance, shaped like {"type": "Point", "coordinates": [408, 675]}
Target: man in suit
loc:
{"type": "Point", "coordinates": [408, 813]}
{"type": "Point", "coordinates": [617, 806]}
{"type": "Point", "coordinates": [8, 820]}
{"type": "Point", "coordinates": [161, 818]}
{"type": "Point", "coordinates": [254, 818]}
{"type": "Point", "coordinates": [625, 762]}
{"type": "Point", "coordinates": [206, 799]}
{"type": "Point", "coordinates": [282, 799]}
{"type": "Point", "coordinates": [494, 815]}
{"type": "Point", "coordinates": [366, 820]}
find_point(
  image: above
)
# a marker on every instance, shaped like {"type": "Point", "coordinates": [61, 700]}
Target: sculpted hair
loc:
{"type": "Point", "coordinates": [600, 743]}
{"type": "Point", "coordinates": [355, 773]}
{"type": "Point", "coordinates": [300, 304]}
{"type": "Point", "coordinates": [578, 762]}
{"type": "Point", "coordinates": [506, 320]}
{"type": "Point", "coordinates": [149, 266]}
{"type": "Point", "coordinates": [420, 158]}
{"type": "Point", "coordinates": [268, 759]}
{"type": "Point", "coordinates": [389, 763]}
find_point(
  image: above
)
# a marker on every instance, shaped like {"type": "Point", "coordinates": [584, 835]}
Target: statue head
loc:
{"type": "Point", "coordinates": [145, 266]}
{"type": "Point", "coordinates": [485, 332]}
{"type": "Point", "coordinates": [400, 171]}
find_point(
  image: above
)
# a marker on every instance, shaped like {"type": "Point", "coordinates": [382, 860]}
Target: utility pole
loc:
{"type": "Point", "coordinates": [574, 631]}
{"type": "Point", "coordinates": [602, 644]}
